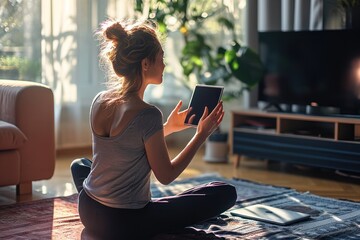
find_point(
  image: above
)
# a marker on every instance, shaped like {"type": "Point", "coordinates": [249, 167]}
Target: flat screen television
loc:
{"type": "Point", "coordinates": [311, 68]}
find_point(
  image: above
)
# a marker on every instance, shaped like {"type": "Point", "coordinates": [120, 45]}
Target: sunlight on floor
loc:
{"type": "Point", "coordinates": [61, 184]}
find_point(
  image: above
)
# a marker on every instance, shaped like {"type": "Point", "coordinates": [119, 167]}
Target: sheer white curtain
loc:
{"type": "Point", "coordinates": [288, 15]}
{"type": "Point", "coordinates": [70, 62]}
{"type": "Point", "coordinates": [279, 15]}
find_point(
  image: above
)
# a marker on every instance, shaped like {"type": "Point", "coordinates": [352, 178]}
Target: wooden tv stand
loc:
{"type": "Point", "coordinates": [321, 141]}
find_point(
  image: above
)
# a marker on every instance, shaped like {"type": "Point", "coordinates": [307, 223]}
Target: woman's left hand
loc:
{"type": "Point", "coordinates": [176, 119]}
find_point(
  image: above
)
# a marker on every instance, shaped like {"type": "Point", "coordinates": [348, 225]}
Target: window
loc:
{"type": "Point", "coordinates": [20, 44]}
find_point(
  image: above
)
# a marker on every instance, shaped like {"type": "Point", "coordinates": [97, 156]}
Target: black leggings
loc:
{"type": "Point", "coordinates": [158, 216]}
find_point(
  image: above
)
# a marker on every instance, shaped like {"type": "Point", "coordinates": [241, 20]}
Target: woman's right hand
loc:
{"type": "Point", "coordinates": [208, 123]}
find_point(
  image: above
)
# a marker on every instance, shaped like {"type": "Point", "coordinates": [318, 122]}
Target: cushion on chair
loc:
{"type": "Point", "coordinates": [10, 136]}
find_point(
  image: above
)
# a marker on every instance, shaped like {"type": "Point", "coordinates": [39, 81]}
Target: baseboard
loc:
{"type": "Point", "coordinates": [83, 150]}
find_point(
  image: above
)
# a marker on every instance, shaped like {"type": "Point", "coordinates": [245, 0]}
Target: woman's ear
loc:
{"type": "Point", "coordinates": [145, 64]}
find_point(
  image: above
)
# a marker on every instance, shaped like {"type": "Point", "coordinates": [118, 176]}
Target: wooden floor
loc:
{"type": "Point", "coordinates": [322, 182]}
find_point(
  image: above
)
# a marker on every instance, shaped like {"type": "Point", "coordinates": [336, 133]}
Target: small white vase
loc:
{"type": "Point", "coordinates": [216, 152]}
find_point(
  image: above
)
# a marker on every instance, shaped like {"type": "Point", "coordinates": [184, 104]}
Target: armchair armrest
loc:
{"type": "Point", "coordinates": [30, 107]}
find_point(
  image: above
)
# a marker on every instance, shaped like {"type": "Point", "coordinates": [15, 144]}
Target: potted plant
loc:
{"type": "Point", "coordinates": [18, 68]}
{"type": "Point", "coordinates": [9, 67]}
{"type": "Point", "coordinates": [30, 70]}
{"type": "Point", "coordinates": [229, 64]}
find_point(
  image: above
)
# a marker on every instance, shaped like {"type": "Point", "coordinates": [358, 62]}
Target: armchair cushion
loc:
{"type": "Point", "coordinates": [10, 136]}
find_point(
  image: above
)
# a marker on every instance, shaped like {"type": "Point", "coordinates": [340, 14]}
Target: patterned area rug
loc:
{"type": "Point", "coordinates": [57, 218]}
{"type": "Point", "coordinates": [53, 218]}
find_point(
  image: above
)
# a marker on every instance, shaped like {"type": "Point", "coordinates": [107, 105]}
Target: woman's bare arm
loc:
{"type": "Point", "coordinates": [167, 170]}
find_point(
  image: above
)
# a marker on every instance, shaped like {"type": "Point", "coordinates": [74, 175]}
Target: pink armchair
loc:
{"type": "Point", "coordinates": [27, 135]}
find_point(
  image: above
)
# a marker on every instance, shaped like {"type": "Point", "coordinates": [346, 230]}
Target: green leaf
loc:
{"type": "Point", "coordinates": [247, 67]}
{"type": "Point", "coordinates": [162, 27]}
{"type": "Point", "coordinates": [230, 56]}
{"type": "Point", "coordinates": [192, 48]}
{"type": "Point", "coordinates": [187, 68]}
{"type": "Point", "coordinates": [197, 61]}
{"type": "Point", "coordinates": [234, 65]}
{"type": "Point", "coordinates": [226, 22]}
{"type": "Point", "coordinates": [139, 5]}
{"type": "Point", "coordinates": [235, 46]}
{"type": "Point", "coordinates": [221, 51]}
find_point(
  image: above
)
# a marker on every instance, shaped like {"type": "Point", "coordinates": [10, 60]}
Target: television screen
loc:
{"type": "Point", "coordinates": [318, 68]}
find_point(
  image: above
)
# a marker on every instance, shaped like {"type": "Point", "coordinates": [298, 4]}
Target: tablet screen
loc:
{"type": "Point", "coordinates": [203, 95]}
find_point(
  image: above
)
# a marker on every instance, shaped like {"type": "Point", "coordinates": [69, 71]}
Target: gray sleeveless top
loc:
{"type": "Point", "coordinates": [120, 173]}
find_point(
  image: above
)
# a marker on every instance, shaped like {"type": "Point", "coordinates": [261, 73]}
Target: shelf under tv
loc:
{"type": "Point", "coordinates": [320, 141]}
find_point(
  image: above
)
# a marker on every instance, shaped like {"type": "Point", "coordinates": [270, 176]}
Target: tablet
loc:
{"type": "Point", "coordinates": [203, 95]}
{"type": "Point", "coordinates": [270, 214]}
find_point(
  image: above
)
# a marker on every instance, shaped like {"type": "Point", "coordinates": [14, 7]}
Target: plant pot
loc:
{"type": "Point", "coordinates": [9, 73]}
{"type": "Point", "coordinates": [217, 148]}
{"type": "Point", "coordinates": [216, 152]}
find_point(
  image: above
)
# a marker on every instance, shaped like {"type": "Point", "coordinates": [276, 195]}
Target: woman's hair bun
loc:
{"type": "Point", "coordinates": [115, 33]}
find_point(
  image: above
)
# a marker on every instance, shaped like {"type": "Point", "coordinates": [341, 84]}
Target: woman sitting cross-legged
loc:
{"type": "Point", "coordinates": [129, 144]}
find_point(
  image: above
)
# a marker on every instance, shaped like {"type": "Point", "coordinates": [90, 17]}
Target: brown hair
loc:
{"type": "Point", "coordinates": [123, 46]}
